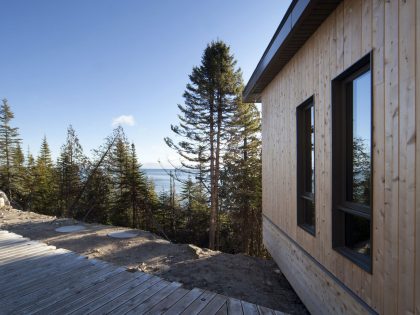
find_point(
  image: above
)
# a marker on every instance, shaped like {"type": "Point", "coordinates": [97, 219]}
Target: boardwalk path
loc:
{"type": "Point", "coordinates": [39, 279]}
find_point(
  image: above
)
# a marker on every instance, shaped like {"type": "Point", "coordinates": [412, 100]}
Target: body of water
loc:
{"type": "Point", "coordinates": [161, 178]}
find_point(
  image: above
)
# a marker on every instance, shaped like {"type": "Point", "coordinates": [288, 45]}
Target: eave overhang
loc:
{"type": "Point", "coordinates": [301, 20]}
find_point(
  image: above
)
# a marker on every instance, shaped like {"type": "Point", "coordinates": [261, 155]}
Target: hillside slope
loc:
{"type": "Point", "coordinates": [240, 276]}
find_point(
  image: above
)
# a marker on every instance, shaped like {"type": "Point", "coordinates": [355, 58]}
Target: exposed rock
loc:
{"type": "Point", "coordinates": [4, 201]}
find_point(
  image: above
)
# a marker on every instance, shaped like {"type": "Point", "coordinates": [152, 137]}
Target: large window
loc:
{"type": "Point", "coordinates": [306, 166]}
{"type": "Point", "coordinates": [352, 162]}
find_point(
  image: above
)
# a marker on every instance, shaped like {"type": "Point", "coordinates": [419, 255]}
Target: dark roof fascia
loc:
{"type": "Point", "coordinates": [301, 20]}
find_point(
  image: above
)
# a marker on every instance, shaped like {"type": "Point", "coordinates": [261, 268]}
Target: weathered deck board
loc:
{"type": "Point", "coordinates": [155, 299]}
{"type": "Point", "coordinates": [167, 302]}
{"type": "Point", "coordinates": [214, 305]}
{"type": "Point", "coordinates": [117, 302]}
{"type": "Point", "coordinates": [200, 303]}
{"type": "Point", "coordinates": [36, 278]}
{"type": "Point", "coordinates": [49, 296]}
{"type": "Point", "coordinates": [184, 302]}
{"type": "Point", "coordinates": [234, 306]}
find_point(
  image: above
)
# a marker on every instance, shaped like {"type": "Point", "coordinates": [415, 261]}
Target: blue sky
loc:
{"type": "Point", "coordinates": [87, 63]}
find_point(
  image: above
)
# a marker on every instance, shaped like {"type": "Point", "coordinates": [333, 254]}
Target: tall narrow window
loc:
{"type": "Point", "coordinates": [306, 166]}
{"type": "Point", "coordinates": [352, 163]}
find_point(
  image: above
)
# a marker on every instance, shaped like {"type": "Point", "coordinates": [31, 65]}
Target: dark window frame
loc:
{"type": "Point", "coordinates": [341, 138]}
{"type": "Point", "coordinates": [302, 175]}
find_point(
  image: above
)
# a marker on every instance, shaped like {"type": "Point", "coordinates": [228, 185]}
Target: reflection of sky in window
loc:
{"type": "Point", "coordinates": [362, 109]}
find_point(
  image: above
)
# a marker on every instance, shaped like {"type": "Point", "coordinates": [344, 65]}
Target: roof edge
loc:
{"type": "Point", "coordinates": [300, 21]}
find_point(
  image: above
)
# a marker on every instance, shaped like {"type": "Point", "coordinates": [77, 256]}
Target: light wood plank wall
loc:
{"type": "Point", "coordinates": [391, 29]}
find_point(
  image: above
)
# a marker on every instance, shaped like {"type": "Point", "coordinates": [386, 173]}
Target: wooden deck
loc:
{"type": "Point", "coordinates": [39, 279]}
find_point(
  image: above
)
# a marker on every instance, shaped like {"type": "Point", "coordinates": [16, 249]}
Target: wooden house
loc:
{"type": "Point", "coordinates": [339, 85]}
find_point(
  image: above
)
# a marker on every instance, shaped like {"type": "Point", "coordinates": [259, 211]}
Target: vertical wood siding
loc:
{"type": "Point", "coordinates": [391, 30]}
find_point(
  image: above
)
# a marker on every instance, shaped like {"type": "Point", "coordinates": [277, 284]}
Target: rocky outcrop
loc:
{"type": "Point", "coordinates": [4, 201]}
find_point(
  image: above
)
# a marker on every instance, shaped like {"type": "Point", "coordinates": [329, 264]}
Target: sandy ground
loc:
{"type": "Point", "coordinates": [251, 279]}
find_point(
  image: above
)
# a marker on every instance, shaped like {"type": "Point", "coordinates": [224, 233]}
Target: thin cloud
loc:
{"type": "Point", "coordinates": [123, 120]}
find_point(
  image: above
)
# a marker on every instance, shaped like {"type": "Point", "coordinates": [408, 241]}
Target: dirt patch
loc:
{"type": "Point", "coordinates": [251, 279]}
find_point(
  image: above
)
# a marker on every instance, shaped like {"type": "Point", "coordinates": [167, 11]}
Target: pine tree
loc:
{"type": "Point", "coordinates": [138, 190]}
{"type": "Point", "coordinates": [44, 194]}
{"type": "Point", "coordinates": [209, 103]}
{"type": "Point", "coordinates": [19, 171]}
{"type": "Point", "coordinates": [95, 204]}
{"type": "Point", "coordinates": [242, 179]}
{"type": "Point", "coordinates": [30, 180]}
{"type": "Point", "coordinates": [9, 141]}
{"type": "Point", "coordinates": [195, 213]}
{"type": "Point", "coordinates": [71, 167]}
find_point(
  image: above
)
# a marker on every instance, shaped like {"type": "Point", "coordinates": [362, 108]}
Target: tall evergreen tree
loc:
{"type": "Point", "coordinates": [118, 169]}
{"type": "Point", "coordinates": [209, 103]}
{"type": "Point", "coordinates": [242, 179]}
{"type": "Point", "coordinates": [138, 190]}
{"type": "Point", "coordinates": [130, 188]}
{"type": "Point", "coordinates": [71, 167]}
{"type": "Point", "coordinates": [44, 194]}
{"type": "Point", "coordinates": [9, 141]}
{"type": "Point", "coordinates": [30, 180]}
{"type": "Point", "coordinates": [19, 171]}
{"type": "Point", "coordinates": [195, 213]}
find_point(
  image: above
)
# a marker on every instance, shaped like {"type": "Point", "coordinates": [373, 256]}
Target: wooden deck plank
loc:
{"type": "Point", "coordinates": [223, 310]}
{"type": "Point", "coordinates": [40, 261]}
{"type": "Point", "coordinates": [183, 303]}
{"type": "Point", "coordinates": [43, 251]}
{"type": "Point", "coordinates": [83, 297]}
{"type": "Point", "coordinates": [7, 241]}
{"type": "Point", "coordinates": [4, 233]}
{"type": "Point", "coordinates": [214, 305]}
{"type": "Point", "coordinates": [167, 302]}
{"type": "Point", "coordinates": [40, 293]}
{"type": "Point", "coordinates": [130, 304]}
{"type": "Point", "coordinates": [29, 252]}
{"type": "Point", "coordinates": [24, 284]}
{"type": "Point", "coordinates": [16, 248]}
{"type": "Point", "coordinates": [200, 303]}
{"type": "Point", "coordinates": [30, 258]}
{"type": "Point", "coordinates": [46, 279]}
{"type": "Point", "coordinates": [234, 306]}
{"type": "Point", "coordinates": [150, 302]}
{"type": "Point", "coordinates": [249, 309]}
{"type": "Point", "coordinates": [113, 294]}
{"type": "Point", "coordinates": [117, 302]}
{"type": "Point", "coordinates": [265, 311]}
{"type": "Point", "coordinates": [22, 270]}
{"type": "Point", "coordinates": [70, 288]}
{"type": "Point", "coordinates": [17, 253]}
{"type": "Point", "coordinates": [27, 286]}
{"type": "Point", "coordinates": [95, 292]}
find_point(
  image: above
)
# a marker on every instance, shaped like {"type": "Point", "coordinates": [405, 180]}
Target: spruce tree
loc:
{"type": "Point", "coordinates": [195, 213]}
{"type": "Point", "coordinates": [19, 171]}
{"type": "Point", "coordinates": [71, 167]}
{"type": "Point", "coordinates": [30, 180]}
{"type": "Point", "coordinates": [44, 194]}
{"type": "Point", "coordinates": [9, 141]}
{"type": "Point", "coordinates": [210, 99]}
{"type": "Point", "coordinates": [242, 179]}
{"type": "Point", "coordinates": [138, 190]}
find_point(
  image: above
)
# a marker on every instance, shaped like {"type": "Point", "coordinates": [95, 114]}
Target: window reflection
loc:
{"type": "Point", "coordinates": [309, 151]}
{"type": "Point", "coordinates": [357, 236]}
{"type": "Point", "coordinates": [306, 168]}
{"type": "Point", "coordinates": [360, 168]}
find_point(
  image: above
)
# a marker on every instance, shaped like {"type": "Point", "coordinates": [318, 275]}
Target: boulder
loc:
{"type": "Point", "coordinates": [4, 201]}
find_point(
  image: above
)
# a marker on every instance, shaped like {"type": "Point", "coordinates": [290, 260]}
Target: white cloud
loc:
{"type": "Point", "coordinates": [127, 120]}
